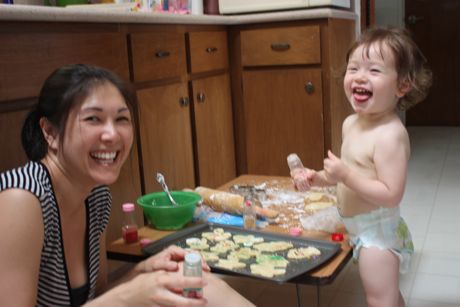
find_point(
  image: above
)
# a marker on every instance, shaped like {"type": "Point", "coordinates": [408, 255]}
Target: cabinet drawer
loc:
{"type": "Point", "coordinates": [208, 51]}
{"type": "Point", "coordinates": [29, 55]}
{"type": "Point", "coordinates": [157, 56]}
{"type": "Point", "coordinates": [281, 46]}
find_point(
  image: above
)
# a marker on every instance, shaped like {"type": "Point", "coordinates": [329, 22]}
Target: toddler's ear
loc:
{"type": "Point", "coordinates": [403, 88]}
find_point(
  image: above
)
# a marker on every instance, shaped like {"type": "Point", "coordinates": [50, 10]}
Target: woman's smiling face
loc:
{"type": "Point", "coordinates": [98, 136]}
{"type": "Point", "coordinates": [371, 80]}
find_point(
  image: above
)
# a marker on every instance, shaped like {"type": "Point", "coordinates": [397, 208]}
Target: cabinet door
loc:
{"type": "Point", "coordinates": [214, 130]}
{"type": "Point", "coordinates": [281, 117]}
{"type": "Point", "coordinates": [165, 136]}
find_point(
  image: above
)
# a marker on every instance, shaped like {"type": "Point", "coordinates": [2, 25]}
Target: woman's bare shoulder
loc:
{"type": "Point", "coordinates": [20, 203]}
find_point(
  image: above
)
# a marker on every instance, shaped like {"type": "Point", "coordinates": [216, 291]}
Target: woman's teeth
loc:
{"type": "Point", "coordinates": [104, 156]}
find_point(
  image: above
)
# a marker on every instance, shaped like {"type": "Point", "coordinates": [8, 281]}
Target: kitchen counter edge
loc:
{"type": "Point", "coordinates": [87, 14]}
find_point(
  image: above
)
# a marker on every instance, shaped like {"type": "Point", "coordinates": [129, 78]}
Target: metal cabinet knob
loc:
{"type": "Point", "coordinates": [309, 87]}
{"type": "Point", "coordinates": [162, 54]}
{"type": "Point", "coordinates": [184, 101]}
{"type": "Point", "coordinates": [201, 97]}
{"type": "Point", "coordinates": [211, 49]}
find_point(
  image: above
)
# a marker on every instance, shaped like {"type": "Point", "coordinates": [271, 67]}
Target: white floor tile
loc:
{"type": "Point", "coordinates": [420, 303]}
{"type": "Point", "coordinates": [442, 243]}
{"type": "Point", "coordinates": [447, 209]}
{"type": "Point", "coordinates": [440, 264]}
{"type": "Point", "coordinates": [420, 192]}
{"type": "Point", "coordinates": [436, 288]}
{"type": "Point", "coordinates": [441, 226]}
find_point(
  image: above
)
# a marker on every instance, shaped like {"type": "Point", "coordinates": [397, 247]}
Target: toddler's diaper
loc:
{"type": "Point", "coordinates": [383, 228]}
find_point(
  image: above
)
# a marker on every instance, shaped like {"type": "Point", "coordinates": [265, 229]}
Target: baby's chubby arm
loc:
{"type": "Point", "coordinates": [390, 159]}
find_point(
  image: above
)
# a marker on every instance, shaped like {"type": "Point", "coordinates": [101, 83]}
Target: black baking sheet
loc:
{"type": "Point", "coordinates": [294, 268]}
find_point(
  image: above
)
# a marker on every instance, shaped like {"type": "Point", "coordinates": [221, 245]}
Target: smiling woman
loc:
{"type": "Point", "coordinates": [77, 139]}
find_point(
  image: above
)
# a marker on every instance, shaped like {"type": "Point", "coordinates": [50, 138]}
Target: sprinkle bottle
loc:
{"type": "Point", "coordinates": [129, 226]}
{"type": "Point", "coordinates": [294, 162]}
{"type": "Point", "coordinates": [249, 215]}
{"type": "Point", "coordinates": [193, 268]}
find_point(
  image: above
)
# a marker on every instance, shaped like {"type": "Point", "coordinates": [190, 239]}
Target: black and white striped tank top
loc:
{"type": "Point", "coordinates": [53, 282]}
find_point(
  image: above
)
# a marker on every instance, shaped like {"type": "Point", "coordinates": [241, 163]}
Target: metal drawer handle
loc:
{"type": "Point", "coordinates": [162, 54]}
{"type": "Point", "coordinates": [412, 19]}
{"type": "Point", "coordinates": [184, 101]}
{"type": "Point", "coordinates": [201, 97]}
{"type": "Point", "coordinates": [211, 49]}
{"type": "Point", "coordinates": [309, 87]}
{"type": "Point", "coordinates": [280, 46]}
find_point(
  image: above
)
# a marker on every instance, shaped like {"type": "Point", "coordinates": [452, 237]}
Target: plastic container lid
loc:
{"type": "Point", "coordinates": [337, 237]}
{"type": "Point", "coordinates": [128, 207]}
{"type": "Point", "coordinates": [192, 258]}
{"type": "Point", "coordinates": [294, 161]}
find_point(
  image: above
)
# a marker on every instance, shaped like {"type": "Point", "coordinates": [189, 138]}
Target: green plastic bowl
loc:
{"type": "Point", "coordinates": [163, 215]}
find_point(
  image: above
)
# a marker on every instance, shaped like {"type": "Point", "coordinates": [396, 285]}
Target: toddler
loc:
{"type": "Point", "coordinates": [385, 72]}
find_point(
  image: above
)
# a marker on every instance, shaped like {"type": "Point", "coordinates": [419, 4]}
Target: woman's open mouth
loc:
{"type": "Point", "coordinates": [104, 157]}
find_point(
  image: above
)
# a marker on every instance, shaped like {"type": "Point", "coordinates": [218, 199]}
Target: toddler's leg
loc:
{"type": "Point", "coordinates": [379, 271]}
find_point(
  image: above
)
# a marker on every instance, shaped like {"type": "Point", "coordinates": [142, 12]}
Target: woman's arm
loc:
{"type": "Point", "coordinates": [21, 226]}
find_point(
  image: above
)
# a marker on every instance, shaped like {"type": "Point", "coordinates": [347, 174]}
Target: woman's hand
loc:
{"type": "Point", "coordinates": [335, 170]}
{"type": "Point", "coordinates": [167, 260]}
{"type": "Point", "coordinates": [159, 288]}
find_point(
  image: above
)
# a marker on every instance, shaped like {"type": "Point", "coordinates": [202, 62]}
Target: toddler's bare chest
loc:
{"type": "Point", "coordinates": [358, 150]}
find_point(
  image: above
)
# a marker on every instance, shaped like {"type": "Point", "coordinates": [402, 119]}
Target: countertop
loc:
{"type": "Point", "coordinates": [92, 14]}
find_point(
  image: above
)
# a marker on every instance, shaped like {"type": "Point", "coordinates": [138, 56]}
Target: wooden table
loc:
{"type": "Point", "coordinates": [323, 275]}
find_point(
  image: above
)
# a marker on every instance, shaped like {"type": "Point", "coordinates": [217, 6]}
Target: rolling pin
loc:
{"type": "Point", "coordinates": [231, 203]}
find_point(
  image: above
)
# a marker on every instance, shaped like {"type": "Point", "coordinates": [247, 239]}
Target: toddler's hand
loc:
{"type": "Point", "coordinates": [301, 178]}
{"type": "Point", "coordinates": [334, 168]}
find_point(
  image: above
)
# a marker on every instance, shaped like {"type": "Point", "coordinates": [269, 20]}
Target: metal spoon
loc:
{"type": "Point", "coordinates": [161, 181]}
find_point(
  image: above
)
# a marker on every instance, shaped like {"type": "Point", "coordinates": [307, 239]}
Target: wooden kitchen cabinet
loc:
{"type": "Point", "coordinates": [166, 136]}
{"type": "Point", "coordinates": [282, 117]}
{"type": "Point", "coordinates": [287, 92]}
{"type": "Point", "coordinates": [184, 107]}
{"type": "Point", "coordinates": [212, 108]}
{"type": "Point", "coordinates": [215, 146]}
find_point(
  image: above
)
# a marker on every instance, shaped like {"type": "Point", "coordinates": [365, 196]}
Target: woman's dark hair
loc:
{"type": "Point", "coordinates": [64, 89]}
{"type": "Point", "coordinates": [411, 64]}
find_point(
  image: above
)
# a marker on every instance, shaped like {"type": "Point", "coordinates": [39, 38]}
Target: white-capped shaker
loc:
{"type": "Point", "coordinates": [294, 162]}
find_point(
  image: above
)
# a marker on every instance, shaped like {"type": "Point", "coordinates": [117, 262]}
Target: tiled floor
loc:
{"type": "Point", "coordinates": [431, 208]}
